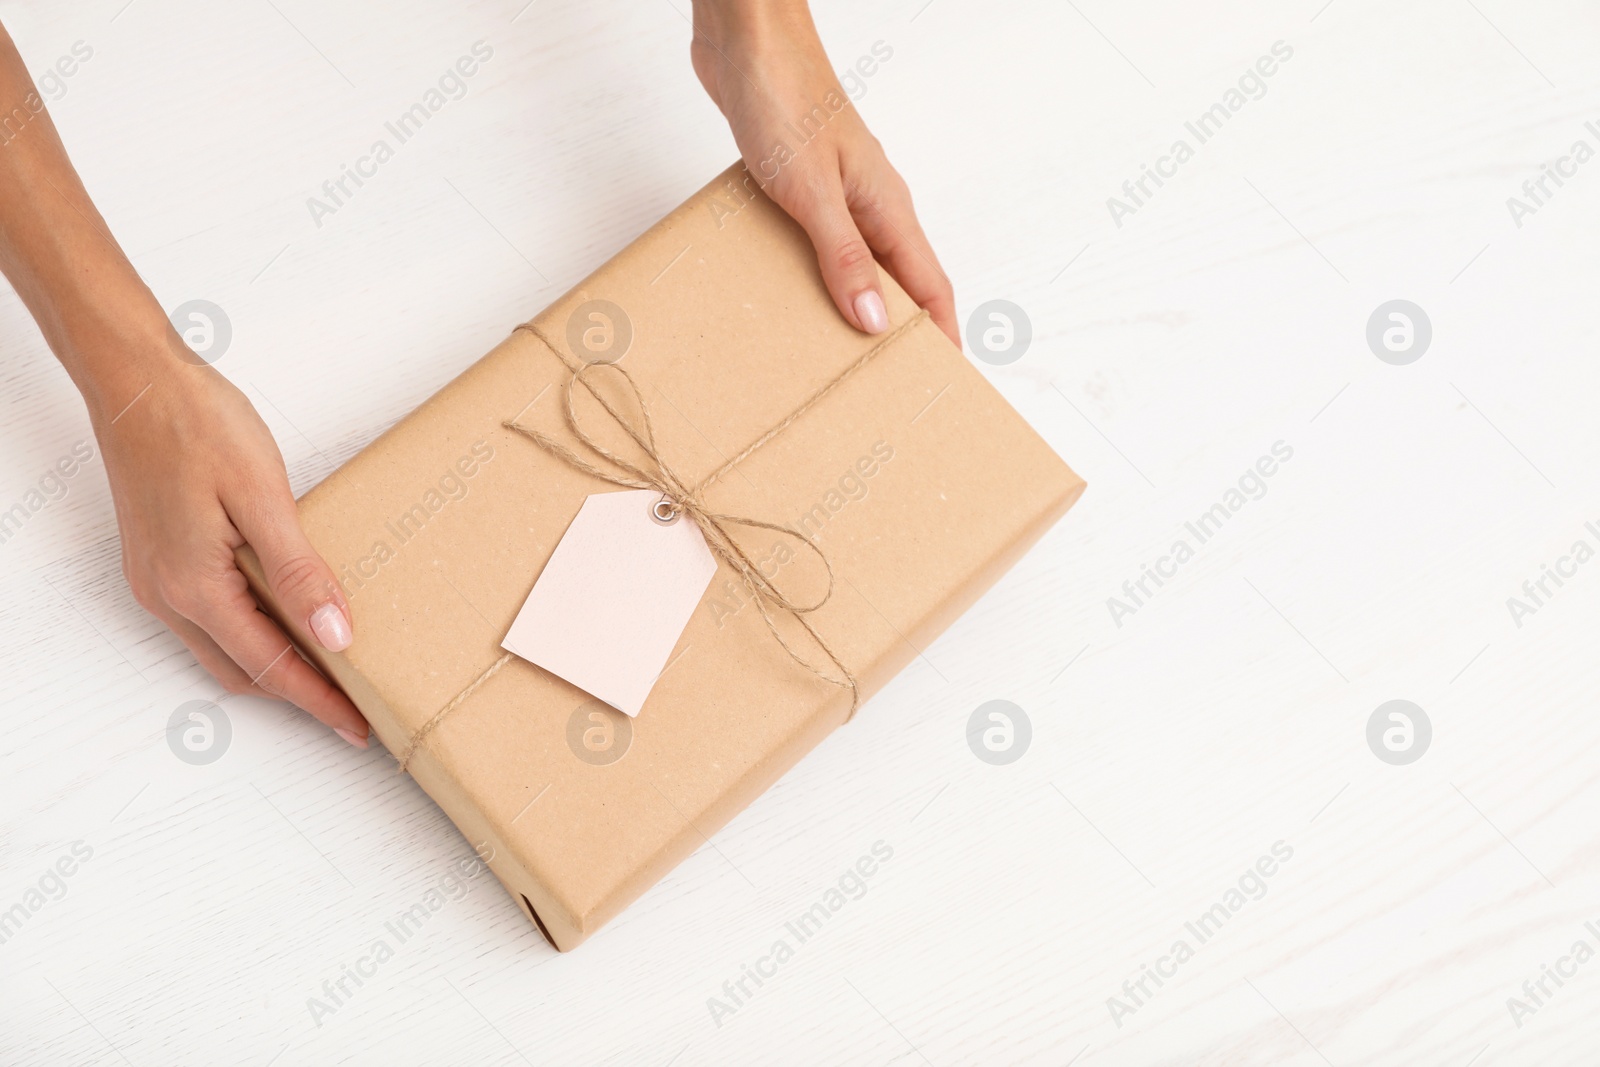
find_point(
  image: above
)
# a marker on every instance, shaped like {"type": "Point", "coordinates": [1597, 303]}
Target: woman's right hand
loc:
{"type": "Point", "coordinates": [195, 474]}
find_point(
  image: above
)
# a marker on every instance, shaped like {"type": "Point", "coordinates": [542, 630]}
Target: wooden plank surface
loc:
{"type": "Point", "coordinates": [1176, 741]}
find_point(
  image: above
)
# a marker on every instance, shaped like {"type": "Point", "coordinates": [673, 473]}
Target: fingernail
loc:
{"type": "Point", "coordinates": [359, 742]}
{"type": "Point", "coordinates": [331, 627]}
{"type": "Point", "coordinates": [870, 312]}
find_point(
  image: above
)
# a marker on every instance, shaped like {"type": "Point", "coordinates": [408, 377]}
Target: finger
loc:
{"type": "Point", "coordinates": [231, 676]}
{"type": "Point", "coordinates": [258, 646]}
{"type": "Point", "coordinates": [209, 654]}
{"type": "Point", "coordinates": [302, 585]}
{"type": "Point", "coordinates": [817, 202]}
{"type": "Point", "coordinates": [889, 223]}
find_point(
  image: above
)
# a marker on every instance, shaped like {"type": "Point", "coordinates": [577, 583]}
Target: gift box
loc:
{"type": "Point", "coordinates": [864, 491]}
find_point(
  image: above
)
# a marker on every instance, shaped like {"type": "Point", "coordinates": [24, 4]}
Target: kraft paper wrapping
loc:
{"type": "Point", "coordinates": [915, 478]}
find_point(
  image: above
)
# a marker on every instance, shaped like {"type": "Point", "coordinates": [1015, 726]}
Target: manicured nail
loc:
{"type": "Point", "coordinates": [359, 742]}
{"type": "Point", "coordinates": [331, 627]}
{"type": "Point", "coordinates": [870, 312]}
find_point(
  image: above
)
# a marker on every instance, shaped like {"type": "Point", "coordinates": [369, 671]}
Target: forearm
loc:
{"type": "Point", "coordinates": [722, 19]}
{"type": "Point", "coordinates": [98, 316]}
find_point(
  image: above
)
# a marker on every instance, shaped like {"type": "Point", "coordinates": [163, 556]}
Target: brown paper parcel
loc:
{"type": "Point", "coordinates": [915, 479]}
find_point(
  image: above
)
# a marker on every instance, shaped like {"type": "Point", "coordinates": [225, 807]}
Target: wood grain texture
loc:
{"type": "Point", "coordinates": [1169, 752]}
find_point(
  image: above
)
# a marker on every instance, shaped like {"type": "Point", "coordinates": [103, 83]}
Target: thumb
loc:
{"type": "Point", "coordinates": [848, 268]}
{"type": "Point", "coordinates": [301, 583]}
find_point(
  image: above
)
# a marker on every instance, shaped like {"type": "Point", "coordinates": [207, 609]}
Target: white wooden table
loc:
{"type": "Point", "coordinates": [1173, 745]}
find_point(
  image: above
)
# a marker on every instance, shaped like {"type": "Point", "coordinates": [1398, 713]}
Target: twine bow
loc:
{"type": "Point", "coordinates": [680, 498]}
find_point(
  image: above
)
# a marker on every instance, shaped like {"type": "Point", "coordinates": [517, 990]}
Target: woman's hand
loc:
{"type": "Point", "coordinates": [765, 68]}
{"type": "Point", "coordinates": [195, 474]}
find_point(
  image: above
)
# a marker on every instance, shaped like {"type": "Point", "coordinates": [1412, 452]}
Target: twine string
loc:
{"type": "Point", "coordinates": [686, 500]}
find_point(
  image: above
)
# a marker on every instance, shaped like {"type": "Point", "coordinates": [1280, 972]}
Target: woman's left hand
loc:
{"type": "Point", "coordinates": [765, 68]}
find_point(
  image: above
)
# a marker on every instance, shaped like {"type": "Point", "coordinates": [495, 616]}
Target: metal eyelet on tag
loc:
{"type": "Point", "coordinates": [665, 512]}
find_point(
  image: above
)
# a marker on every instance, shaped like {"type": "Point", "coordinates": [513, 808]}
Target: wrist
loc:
{"type": "Point", "coordinates": [115, 347]}
{"type": "Point", "coordinates": [95, 312]}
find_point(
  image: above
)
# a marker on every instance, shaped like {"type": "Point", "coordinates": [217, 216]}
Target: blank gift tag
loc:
{"type": "Point", "coordinates": [612, 602]}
